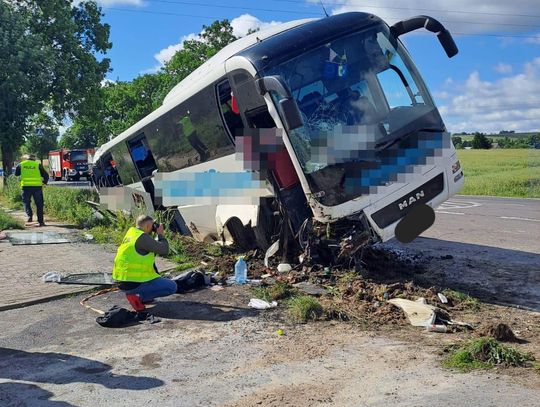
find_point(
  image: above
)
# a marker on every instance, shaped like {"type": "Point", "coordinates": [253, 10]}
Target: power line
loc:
{"type": "Point", "coordinates": [217, 18]}
{"type": "Point", "coordinates": [351, 3]}
{"type": "Point", "coordinates": [249, 8]}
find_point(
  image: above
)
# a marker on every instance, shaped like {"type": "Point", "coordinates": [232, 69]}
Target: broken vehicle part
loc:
{"type": "Point", "coordinates": [31, 238]}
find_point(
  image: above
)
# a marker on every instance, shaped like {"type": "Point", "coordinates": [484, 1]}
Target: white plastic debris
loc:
{"type": "Point", "coordinates": [284, 267]}
{"type": "Point", "coordinates": [261, 304]}
{"type": "Point", "coordinates": [270, 252]}
{"type": "Point", "coordinates": [442, 298]}
{"type": "Point", "coordinates": [88, 236]}
{"type": "Point", "coordinates": [51, 277]}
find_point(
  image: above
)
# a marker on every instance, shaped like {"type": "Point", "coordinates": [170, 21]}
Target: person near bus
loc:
{"type": "Point", "coordinates": [33, 177]}
{"type": "Point", "coordinates": [134, 268]}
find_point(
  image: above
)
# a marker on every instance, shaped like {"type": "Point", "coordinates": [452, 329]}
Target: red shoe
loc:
{"type": "Point", "coordinates": [135, 302]}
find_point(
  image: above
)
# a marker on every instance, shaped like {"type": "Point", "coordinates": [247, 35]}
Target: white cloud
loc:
{"type": "Point", "coordinates": [503, 68]}
{"type": "Point", "coordinates": [243, 24]}
{"type": "Point", "coordinates": [499, 20]}
{"type": "Point", "coordinates": [166, 54]}
{"type": "Point", "coordinates": [510, 103]}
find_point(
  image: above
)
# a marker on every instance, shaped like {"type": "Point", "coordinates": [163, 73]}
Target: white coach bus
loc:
{"type": "Point", "coordinates": [361, 140]}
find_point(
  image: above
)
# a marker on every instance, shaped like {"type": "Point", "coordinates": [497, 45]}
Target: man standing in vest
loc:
{"type": "Point", "coordinates": [33, 176]}
{"type": "Point", "coordinates": [134, 267]}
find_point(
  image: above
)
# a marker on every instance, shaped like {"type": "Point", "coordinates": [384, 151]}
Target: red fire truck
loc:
{"type": "Point", "coordinates": [69, 165]}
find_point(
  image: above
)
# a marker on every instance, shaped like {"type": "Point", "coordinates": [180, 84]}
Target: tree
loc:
{"type": "Point", "coordinates": [119, 105]}
{"type": "Point", "coordinates": [480, 141]}
{"type": "Point", "coordinates": [42, 136]}
{"type": "Point", "coordinates": [48, 52]}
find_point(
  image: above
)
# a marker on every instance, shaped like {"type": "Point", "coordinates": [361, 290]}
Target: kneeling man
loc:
{"type": "Point", "coordinates": [134, 266]}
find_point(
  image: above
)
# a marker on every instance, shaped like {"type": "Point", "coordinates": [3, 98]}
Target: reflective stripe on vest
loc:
{"type": "Point", "coordinates": [30, 175]}
{"type": "Point", "coordinates": [130, 265]}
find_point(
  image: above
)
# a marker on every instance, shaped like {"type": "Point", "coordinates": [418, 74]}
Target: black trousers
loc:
{"type": "Point", "coordinates": [37, 193]}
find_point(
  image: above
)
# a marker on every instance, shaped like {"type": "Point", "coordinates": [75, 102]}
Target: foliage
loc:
{"type": "Point", "coordinates": [37, 144]}
{"type": "Point", "coordinates": [274, 292]}
{"type": "Point", "coordinates": [122, 104]}
{"type": "Point", "coordinates": [485, 353]}
{"type": "Point", "coordinates": [69, 205]}
{"type": "Point", "coordinates": [48, 55]}
{"type": "Point", "coordinates": [304, 308]}
{"type": "Point", "coordinates": [480, 141]}
{"type": "Point", "coordinates": [9, 222]}
{"type": "Point", "coordinates": [465, 299]}
{"type": "Point", "coordinates": [12, 192]}
{"type": "Point", "coordinates": [512, 173]}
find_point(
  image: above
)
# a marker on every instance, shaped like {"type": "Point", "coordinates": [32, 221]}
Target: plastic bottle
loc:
{"type": "Point", "coordinates": [240, 271]}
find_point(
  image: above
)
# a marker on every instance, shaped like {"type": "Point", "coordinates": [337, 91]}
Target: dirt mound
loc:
{"type": "Point", "coordinates": [500, 332]}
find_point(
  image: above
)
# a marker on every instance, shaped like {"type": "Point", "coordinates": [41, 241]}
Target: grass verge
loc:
{"type": "Point", "coordinates": [274, 292]}
{"type": "Point", "coordinates": [485, 353]}
{"type": "Point", "coordinates": [501, 172]}
{"type": "Point", "coordinates": [9, 222]}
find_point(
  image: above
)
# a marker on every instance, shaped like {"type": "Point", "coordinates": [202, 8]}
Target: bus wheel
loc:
{"type": "Point", "coordinates": [243, 236]}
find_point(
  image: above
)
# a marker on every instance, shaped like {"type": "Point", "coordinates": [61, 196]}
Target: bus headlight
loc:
{"type": "Point", "coordinates": [456, 167]}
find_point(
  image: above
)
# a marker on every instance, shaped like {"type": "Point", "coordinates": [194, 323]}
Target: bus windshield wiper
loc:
{"type": "Point", "coordinates": [383, 145]}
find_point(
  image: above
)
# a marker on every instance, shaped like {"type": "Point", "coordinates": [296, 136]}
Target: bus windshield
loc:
{"type": "Point", "coordinates": [357, 95]}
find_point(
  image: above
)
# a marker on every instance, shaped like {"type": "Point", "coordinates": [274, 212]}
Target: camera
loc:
{"type": "Point", "coordinates": [155, 227]}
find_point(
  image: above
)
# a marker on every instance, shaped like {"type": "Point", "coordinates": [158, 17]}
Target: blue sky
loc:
{"type": "Point", "coordinates": [492, 84]}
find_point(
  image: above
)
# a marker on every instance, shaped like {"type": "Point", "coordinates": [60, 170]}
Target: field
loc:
{"type": "Point", "coordinates": [501, 172]}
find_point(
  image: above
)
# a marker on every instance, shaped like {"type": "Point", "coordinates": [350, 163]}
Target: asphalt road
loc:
{"type": "Point", "coordinates": [508, 223]}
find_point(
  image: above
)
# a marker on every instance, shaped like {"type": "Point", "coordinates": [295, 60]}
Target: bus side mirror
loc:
{"type": "Point", "coordinates": [287, 105]}
{"type": "Point", "coordinates": [430, 24]}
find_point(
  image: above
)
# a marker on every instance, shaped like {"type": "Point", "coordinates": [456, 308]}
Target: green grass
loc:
{"type": "Point", "coordinates": [501, 172]}
{"type": "Point", "coordinates": [304, 308]}
{"type": "Point", "coordinates": [274, 292]}
{"type": "Point", "coordinates": [9, 222]}
{"type": "Point", "coordinates": [463, 298]}
{"type": "Point", "coordinates": [485, 353]}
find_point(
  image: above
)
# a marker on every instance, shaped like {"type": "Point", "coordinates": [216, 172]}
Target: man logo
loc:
{"type": "Point", "coordinates": [411, 200]}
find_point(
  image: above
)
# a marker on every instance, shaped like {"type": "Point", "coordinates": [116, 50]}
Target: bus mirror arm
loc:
{"type": "Point", "coordinates": [287, 105]}
{"type": "Point", "coordinates": [430, 24]}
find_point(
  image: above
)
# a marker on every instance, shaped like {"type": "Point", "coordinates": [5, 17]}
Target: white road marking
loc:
{"type": "Point", "coordinates": [450, 204]}
{"type": "Point", "coordinates": [451, 213]}
{"type": "Point", "coordinates": [516, 218]}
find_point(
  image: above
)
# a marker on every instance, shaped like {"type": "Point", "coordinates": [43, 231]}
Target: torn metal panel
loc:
{"type": "Point", "coordinates": [88, 279]}
{"type": "Point", "coordinates": [29, 238]}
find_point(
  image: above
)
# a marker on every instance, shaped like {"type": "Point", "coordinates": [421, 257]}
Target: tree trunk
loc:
{"type": "Point", "coordinates": [7, 160]}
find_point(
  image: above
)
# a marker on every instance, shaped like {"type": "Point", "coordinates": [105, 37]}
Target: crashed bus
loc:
{"type": "Point", "coordinates": [329, 119]}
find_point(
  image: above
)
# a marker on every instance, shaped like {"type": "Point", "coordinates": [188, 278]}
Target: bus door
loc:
{"type": "Point", "coordinates": [255, 114]}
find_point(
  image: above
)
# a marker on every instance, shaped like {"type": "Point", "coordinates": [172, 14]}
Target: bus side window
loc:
{"type": "Point", "coordinates": [142, 156]}
{"type": "Point", "coordinates": [229, 112]}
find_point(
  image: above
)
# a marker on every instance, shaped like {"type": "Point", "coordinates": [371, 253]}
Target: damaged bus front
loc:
{"type": "Point", "coordinates": [331, 115]}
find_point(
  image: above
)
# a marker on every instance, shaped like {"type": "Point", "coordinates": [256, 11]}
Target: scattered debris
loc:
{"type": "Point", "coordinates": [418, 312]}
{"type": "Point", "coordinates": [261, 304]}
{"type": "Point", "coordinates": [217, 288]}
{"type": "Point", "coordinates": [30, 238]}
{"type": "Point", "coordinates": [273, 249]}
{"type": "Point", "coordinates": [51, 277]}
{"type": "Point", "coordinates": [310, 288]}
{"type": "Point", "coordinates": [500, 332]}
{"type": "Point", "coordinates": [447, 257]}
{"type": "Point", "coordinates": [442, 298]}
{"type": "Point", "coordinates": [437, 328]}
{"type": "Point", "coordinates": [88, 236]}
{"type": "Point", "coordinates": [284, 267]}
{"type": "Point", "coordinates": [279, 332]}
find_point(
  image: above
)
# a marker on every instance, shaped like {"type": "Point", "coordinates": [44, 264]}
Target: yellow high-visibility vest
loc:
{"type": "Point", "coordinates": [30, 175]}
{"type": "Point", "coordinates": [130, 265]}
